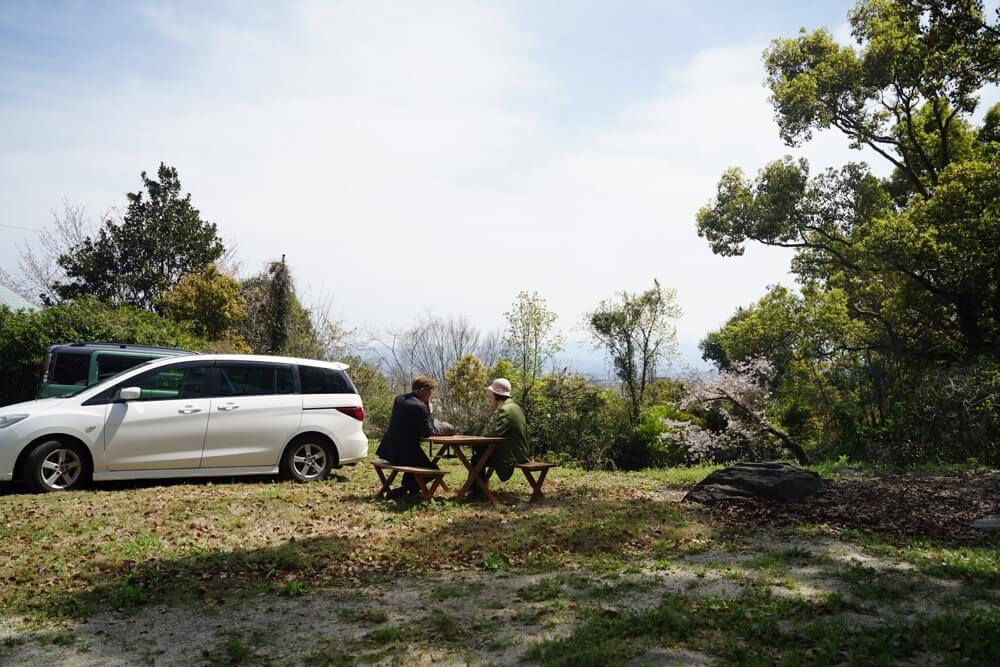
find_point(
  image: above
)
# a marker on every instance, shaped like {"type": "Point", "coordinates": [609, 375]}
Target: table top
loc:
{"type": "Point", "coordinates": [462, 439]}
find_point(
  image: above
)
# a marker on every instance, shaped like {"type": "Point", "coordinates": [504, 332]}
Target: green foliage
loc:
{"type": "Point", "coordinates": [468, 405]}
{"type": "Point", "coordinates": [212, 301]}
{"type": "Point", "coordinates": [494, 561]}
{"type": "Point", "coordinates": [662, 447]}
{"type": "Point", "coordinates": [578, 421]}
{"type": "Point", "coordinates": [375, 390]}
{"type": "Point", "coordinates": [900, 300]}
{"type": "Point", "coordinates": [504, 368]}
{"type": "Point", "coordinates": [160, 239]}
{"type": "Point", "coordinates": [280, 311]}
{"type": "Point", "coordinates": [276, 322]}
{"type": "Point", "coordinates": [291, 589]}
{"type": "Point", "coordinates": [25, 337]}
{"type": "Point", "coordinates": [531, 339]}
{"type": "Point", "coordinates": [638, 333]}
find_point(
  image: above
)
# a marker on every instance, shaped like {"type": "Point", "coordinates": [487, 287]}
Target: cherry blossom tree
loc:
{"type": "Point", "coordinates": [742, 394]}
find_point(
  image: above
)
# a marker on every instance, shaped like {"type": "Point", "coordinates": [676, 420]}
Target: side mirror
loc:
{"type": "Point", "coordinates": [130, 394]}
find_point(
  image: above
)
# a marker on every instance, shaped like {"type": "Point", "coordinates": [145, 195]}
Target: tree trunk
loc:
{"type": "Point", "coordinates": [795, 448]}
{"type": "Point", "coordinates": [792, 446]}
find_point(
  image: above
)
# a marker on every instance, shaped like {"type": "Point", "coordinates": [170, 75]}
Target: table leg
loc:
{"type": "Point", "coordinates": [474, 474]}
{"type": "Point", "coordinates": [437, 457]}
{"type": "Point", "coordinates": [440, 455]}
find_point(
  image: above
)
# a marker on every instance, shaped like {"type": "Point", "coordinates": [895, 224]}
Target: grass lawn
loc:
{"type": "Point", "coordinates": [609, 567]}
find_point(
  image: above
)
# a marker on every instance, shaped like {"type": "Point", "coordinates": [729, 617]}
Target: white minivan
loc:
{"type": "Point", "coordinates": [197, 416]}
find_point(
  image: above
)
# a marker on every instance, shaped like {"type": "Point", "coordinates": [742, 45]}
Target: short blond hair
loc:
{"type": "Point", "coordinates": [423, 382]}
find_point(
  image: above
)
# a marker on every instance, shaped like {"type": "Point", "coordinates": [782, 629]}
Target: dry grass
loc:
{"type": "Point", "coordinates": [603, 552]}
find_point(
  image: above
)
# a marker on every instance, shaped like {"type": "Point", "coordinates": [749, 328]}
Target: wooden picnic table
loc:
{"type": "Point", "coordinates": [456, 444]}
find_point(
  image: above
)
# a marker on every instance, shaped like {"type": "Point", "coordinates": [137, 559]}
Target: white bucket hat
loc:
{"type": "Point", "coordinates": [500, 387]}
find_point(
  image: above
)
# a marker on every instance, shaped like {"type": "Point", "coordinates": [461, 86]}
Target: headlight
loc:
{"type": "Point", "coordinates": [8, 420]}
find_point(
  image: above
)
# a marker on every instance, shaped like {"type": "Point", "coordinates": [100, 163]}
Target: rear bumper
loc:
{"type": "Point", "coordinates": [352, 461]}
{"type": "Point", "coordinates": [351, 448]}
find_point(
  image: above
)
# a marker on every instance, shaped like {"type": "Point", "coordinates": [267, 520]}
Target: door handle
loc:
{"type": "Point", "coordinates": [189, 410]}
{"type": "Point", "coordinates": [226, 408]}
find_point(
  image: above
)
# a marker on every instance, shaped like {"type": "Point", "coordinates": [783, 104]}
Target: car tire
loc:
{"type": "Point", "coordinates": [307, 460]}
{"type": "Point", "coordinates": [56, 465]}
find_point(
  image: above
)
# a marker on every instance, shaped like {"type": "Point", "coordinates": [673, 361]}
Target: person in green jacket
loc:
{"type": "Point", "coordinates": [507, 422]}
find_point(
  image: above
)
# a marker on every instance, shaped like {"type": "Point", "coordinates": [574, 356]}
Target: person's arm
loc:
{"type": "Point", "coordinates": [423, 421]}
{"type": "Point", "coordinates": [499, 425]}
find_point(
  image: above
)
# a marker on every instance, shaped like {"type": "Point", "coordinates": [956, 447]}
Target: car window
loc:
{"type": "Point", "coordinates": [316, 380]}
{"type": "Point", "coordinates": [109, 365]}
{"type": "Point", "coordinates": [254, 379]}
{"type": "Point", "coordinates": [172, 382]}
{"type": "Point", "coordinates": [70, 368]}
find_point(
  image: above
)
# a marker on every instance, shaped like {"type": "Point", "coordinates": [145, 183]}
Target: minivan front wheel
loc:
{"type": "Point", "coordinates": [56, 466]}
{"type": "Point", "coordinates": [307, 460]}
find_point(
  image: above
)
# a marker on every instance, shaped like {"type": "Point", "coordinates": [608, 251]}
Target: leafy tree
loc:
{"type": "Point", "coordinates": [376, 391]}
{"type": "Point", "coordinates": [638, 333]}
{"type": "Point", "coordinates": [531, 340]}
{"type": "Point", "coordinates": [25, 337]}
{"type": "Point", "coordinates": [212, 301]}
{"type": "Point", "coordinates": [468, 406]}
{"type": "Point", "coordinates": [899, 275]}
{"type": "Point", "coordinates": [503, 368]}
{"type": "Point", "coordinates": [280, 310]}
{"type": "Point", "coordinates": [254, 326]}
{"type": "Point", "coordinates": [160, 239]}
{"type": "Point", "coordinates": [276, 322]}
{"type": "Point", "coordinates": [577, 420]}
{"type": "Point", "coordinates": [743, 395]}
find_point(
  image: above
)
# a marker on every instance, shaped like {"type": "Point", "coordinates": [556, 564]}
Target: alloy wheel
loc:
{"type": "Point", "coordinates": [309, 461]}
{"type": "Point", "coordinates": [61, 468]}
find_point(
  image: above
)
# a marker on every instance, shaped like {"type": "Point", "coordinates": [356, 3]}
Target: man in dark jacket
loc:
{"type": "Point", "coordinates": [409, 423]}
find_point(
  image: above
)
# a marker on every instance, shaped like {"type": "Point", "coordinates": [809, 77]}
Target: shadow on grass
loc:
{"type": "Point", "coordinates": [202, 576]}
{"type": "Point", "coordinates": [756, 628]}
{"type": "Point", "coordinates": [562, 531]}
{"type": "Point", "coordinates": [20, 488]}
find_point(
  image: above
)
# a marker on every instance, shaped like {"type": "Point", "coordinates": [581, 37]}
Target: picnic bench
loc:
{"type": "Point", "coordinates": [529, 467]}
{"type": "Point", "coordinates": [479, 473]}
{"type": "Point", "coordinates": [422, 475]}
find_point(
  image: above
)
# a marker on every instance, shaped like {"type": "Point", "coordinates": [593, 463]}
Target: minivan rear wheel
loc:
{"type": "Point", "coordinates": [307, 460]}
{"type": "Point", "coordinates": [55, 465]}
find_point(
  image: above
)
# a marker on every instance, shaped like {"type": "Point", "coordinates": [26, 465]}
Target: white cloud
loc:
{"type": "Point", "coordinates": [404, 158]}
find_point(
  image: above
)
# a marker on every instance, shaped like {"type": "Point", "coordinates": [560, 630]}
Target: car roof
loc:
{"type": "Point", "coordinates": [334, 365]}
{"type": "Point", "coordinates": [123, 347]}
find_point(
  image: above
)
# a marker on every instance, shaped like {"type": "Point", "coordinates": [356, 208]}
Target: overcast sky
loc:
{"type": "Point", "coordinates": [414, 156]}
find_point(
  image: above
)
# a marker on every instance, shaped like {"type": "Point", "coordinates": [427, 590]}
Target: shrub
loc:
{"type": "Point", "coordinates": [25, 337]}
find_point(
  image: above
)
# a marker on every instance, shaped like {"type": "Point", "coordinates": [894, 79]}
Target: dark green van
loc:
{"type": "Point", "coordinates": [71, 368]}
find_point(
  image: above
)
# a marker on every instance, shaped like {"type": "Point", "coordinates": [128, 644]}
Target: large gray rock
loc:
{"type": "Point", "coordinates": [756, 480]}
{"type": "Point", "coordinates": [990, 524]}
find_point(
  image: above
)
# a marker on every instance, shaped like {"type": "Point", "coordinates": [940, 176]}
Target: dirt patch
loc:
{"type": "Point", "coordinates": [478, 618]}
{"type": "Point", "coordinates": [940, 506]}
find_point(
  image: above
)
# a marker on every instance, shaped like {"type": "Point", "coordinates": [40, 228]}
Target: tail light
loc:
{"type": "Point", "coordinates": [357, 413]}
